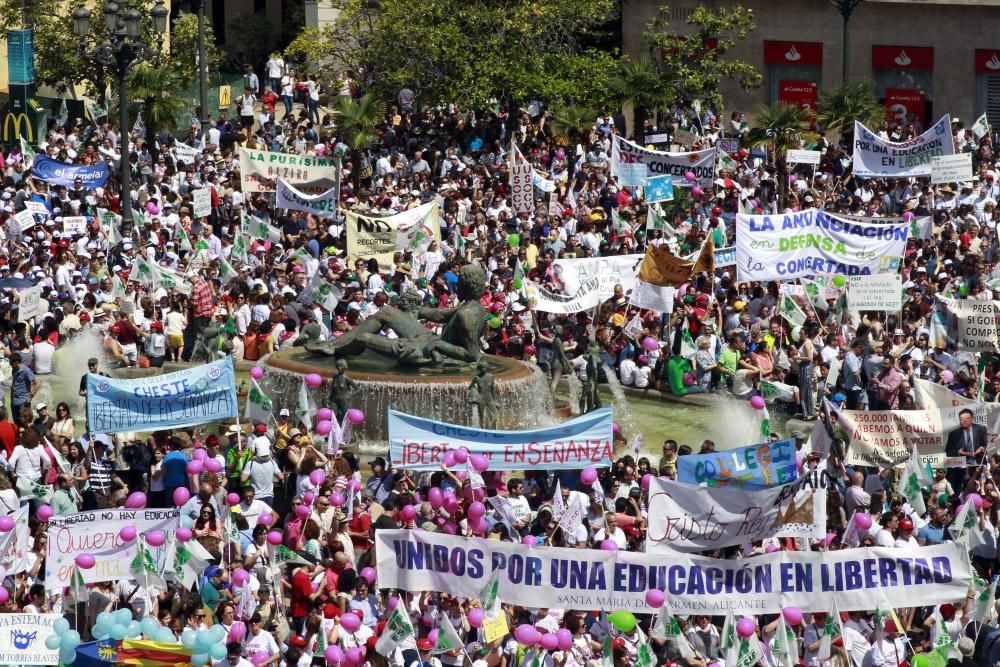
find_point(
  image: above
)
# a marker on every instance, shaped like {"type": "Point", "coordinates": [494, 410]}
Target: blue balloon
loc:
{"type": "Point", "coordinates": [60, 626]}
{"type": "Point", "coordinates": [199, 658]}
{"type": "Point", "coordinates": [218, 651]}
{"type": "Point", "coordinates": [71, 638]}
{"type": "Point", "coordinates": [134, 630]}
{"type": "Point", "coordinates": [165, 635]}
{"type": "Point", "coordinates": [105, 618]}
{"type": "Point", "coordinates": [101, 636]}
{"type": "Point", "coordinates": [205, 639]}
{"type": "Point", "coordinates": [52, 642]}
{"type": "Point", "coordinates": [118, 631]}
{"type": "Point", "coordinates": [67, 655]}
{"type": "Point", "coordinates": [218, 632]}
{"type": "Point", "coordinates": [123, 616]}
{"type": "Point", "coordinates": [188, 638]}
{"type": "Point", "coordinates": [187, 522]}
{"type": "Point", "coordinates": [149, 626]}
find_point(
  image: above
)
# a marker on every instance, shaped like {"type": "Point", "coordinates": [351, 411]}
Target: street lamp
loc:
{"type": "Point", "coordinates": [119, 49]}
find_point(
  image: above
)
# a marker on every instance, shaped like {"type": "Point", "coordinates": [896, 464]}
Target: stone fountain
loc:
{"type": "Point", "coordinates": [414, 369]}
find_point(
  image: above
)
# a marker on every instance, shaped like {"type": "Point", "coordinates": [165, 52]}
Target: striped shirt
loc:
{"type": "Point", "coordinates": [100, 475]}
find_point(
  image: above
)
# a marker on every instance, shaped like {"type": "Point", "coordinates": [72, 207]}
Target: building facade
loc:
{"type": "Point", "coordinates": [927, 58]}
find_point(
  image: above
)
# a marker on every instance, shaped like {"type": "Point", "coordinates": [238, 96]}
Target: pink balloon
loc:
{"type": "Point", "coordinates": [317, 477]}
{"type": "Point", "coordinates": [393, 601]}
{"type": "Point", "coordinates": [526, 634]}
{"type": "Point", "coordinates": [649, 344]}
{"type": "Point", "coordinates": [45, 512]}
{"type": "Point", "coordinates": [476, 617]}
{"type": "Point", "coordinates": [588, 475]}
{"type": "Point", "coordinates": [435, 497]}
{"type": "Point", "coordinates": [476, 510]}
{"type": "Point", "coordinates": [181, 495]}
{"type": "Point", "coordinates": [155, 538]}
{"type": "Point", "coordinates": [449, 458]}
{"type": "Point", "coordinates": [194, 467]}
{"type": "Point", "coordinates": [565, 638]}
{"type": "Point", "coordinates": [350, 621]}
{"type": "Point", "coordinates": [260, 657]}
{"type": "Point", "coordinates": [324, 428]}
{"type": "Point", "coordinates": [615, 427]}
{"type": "Point", "coordinates": [313, 380]}
{"type": "Point", "coordinates": [128, 533]}
{"type": "Point", "coordinates": [770, 549]}
{"type": "Point", "coordinates": [757, 402]}
{"type": "Point", "coordinates": [793, 615]}
{"type": "Point", "coordinates": [461, 455]}
{"type": "Point", "coordinates": [333, 654]}
{"type": "Point", "coordinates": [462, 475]}
{"type": "Point", "coordinates": [213, 465]}
{"type": "Point", "coordinates": [302, 511]}
{"type": "Point", "coordinates": [356, 655]}
{"type": "Point", "coordinates": [690, 177]}
{"type": "Point", "coordinates": [862, 520]}
{"type": "Point", "coordinates": [908, 216]}
{"type": "Point", "coordinates": [530, 540]}
{"type": "Point", "coordinates": [645, 480]}
{"type": "Point", "coordinates": [6, 524]}
{"type": "Point", "coordinates": [433, 635]}
{"type": "Point", "coordinates": [697, 191]}
{"type": "Point", "coordinates": [256, 372]}
{"type": "Point", "coordinates": [309, 497]}
{"type": "Point", "coordinates": [479, 525]}
{"type": "Point", "coordinates": [355, 416]}
{"type": "Point", "coordinates": [85, 561]}
{"type": "Point", "coordinates": [265, 519]}
{"type": "Point", "coordinates": [369, 574]}
{"type": "Point", "coordinates": [977, 500]}
{"type": "Point", "coordinates": [609, 545]}
{"type": "Point", "coordinates": [184, 534]}
{"type": "Point", "coordinates": [479, 462]}
{"type": "Point", "coordinates": [549, 641]}
{"type": "Point", "coordinates": [337, 499]}
{"type": "Point", "coordinates": [324, 414]}
{"type": "Point", "coordinates": [409, 512]}
{"type": "Point", "coordinates": [745, 627]}
{"type": "Point", "coordinates": [449, 528]}
{"type": "Point", "coordinates": [655, 598]}
{"type": "Point", "coordinates": [232, 499]}
{"type": "Point", "coordinates": [136, 500]}
{"type": "Point", "coordinates": [200, 455]}
{"type": "Point", "coordinates": [240, 576]}
{"type": "Point", "coordinates": [237, 632]}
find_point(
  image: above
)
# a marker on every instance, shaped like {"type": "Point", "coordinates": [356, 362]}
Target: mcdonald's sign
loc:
{"type": "Point", "coordinates": [12, 127]}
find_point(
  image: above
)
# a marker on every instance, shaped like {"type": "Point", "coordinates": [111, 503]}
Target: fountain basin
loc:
{"type": "Point", "coordinates": [433, 392]}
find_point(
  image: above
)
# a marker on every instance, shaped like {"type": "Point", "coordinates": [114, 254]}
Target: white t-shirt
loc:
{"type": "Point", "coordinates": [42, 353]}
{"type": "Point", "coordinates": [252, 511]}
{"type": "Point", "coordinates": [262, 642]}
{"type": "Point", "coordinates": [28, 463]}
{"type": "Point", "coordinates": [275, 67]}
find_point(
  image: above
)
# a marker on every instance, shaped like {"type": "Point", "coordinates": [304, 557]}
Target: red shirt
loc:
{"type": "Point", "coordinates": [301, 593]}
{"type": "Point", "coordinates": [8, 436]}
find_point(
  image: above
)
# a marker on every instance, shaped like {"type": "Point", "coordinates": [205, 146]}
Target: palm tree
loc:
{"type": "Point", "coordinates": [781, 127]}
{"type": "Point", "coordinates": [571, 124]}
{"type": "Point", "coordinates": [357, 125]}
{"type": "Point", "coordinates": [839, 107]}
{"type": "Point", "coordinates": [157, 88]}
{"type": "Point", "coordinates": [641, 84]}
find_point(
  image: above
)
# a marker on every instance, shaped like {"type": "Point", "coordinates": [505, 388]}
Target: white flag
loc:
{"type": "Point", "coordinates": [397, 629]}
{"type": "Point", "coordinates": [981, 127]}
{"type": "Point", "coordinates": [558, 504]}
{"type": "Point", "coordinates": [259, 407]}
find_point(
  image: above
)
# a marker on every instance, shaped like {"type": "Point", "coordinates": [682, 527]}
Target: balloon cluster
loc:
{"type": "Point", "coordinates": [206, 644]}
{"type": "Point", "coordinates": [65, 640]}
{"type": "Point", "coordinates": [529, 635]}
{"type": "Point", "coordinates": [120, 625]}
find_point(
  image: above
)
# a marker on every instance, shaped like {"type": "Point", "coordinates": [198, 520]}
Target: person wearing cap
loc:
{"type": "Point", "coordinates": [261, 472]}
{"type": "Point", "coordinates": [42, 424]}
{"type": "Point", "coordinates": [260, 640]}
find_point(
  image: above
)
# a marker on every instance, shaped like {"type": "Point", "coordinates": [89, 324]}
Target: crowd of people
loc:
{"type": "Point", "coordinates": [730, 332]}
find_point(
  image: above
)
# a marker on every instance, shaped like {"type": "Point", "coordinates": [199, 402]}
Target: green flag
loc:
{"type": "Point", "coordinates": [283, 554]}
{"type": "Point", "coordinates": [447, 639]}
{"type": "Point", "coordinates": [981, 127]}
{"type": "Point", "coordinates": [397, 629]}
{"type": "Point", "coordinates": [791, 311]}
{"type": "Point", "coordinates": [259, 407]}
{"type": "Point", "coordinates": [226, 271]}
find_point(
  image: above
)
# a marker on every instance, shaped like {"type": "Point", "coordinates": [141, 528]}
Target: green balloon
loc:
{"type": "Point", "coordinates": [839, 281]}
{"type": "Point", "coordinates": [919, 660]}
{"type": "Point", "coordinates": [963, 290]}
{"type": "Point", "coordinates": [624, 621]}
{"type": "Point", "coordinates": [495, 322]}
{"type": "Point", "coordinates": [517, 283]}
{"type": "Point", "coordinates": [514, 240]}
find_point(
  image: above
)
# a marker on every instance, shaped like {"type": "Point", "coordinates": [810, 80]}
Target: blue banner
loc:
{"type": "Point", "coordinates": [199, 395]}
{"type": "Point", "coordinates": [751, 467]}
{"type": "Point", "coordinates": [60, 173]}
{"type": "Point", "coordinates": [659, 188]}
{"type": "Point", "coordinates": [416, 443]}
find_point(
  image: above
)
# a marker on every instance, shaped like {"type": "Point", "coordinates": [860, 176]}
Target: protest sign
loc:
{"type": "Point", "coordinates": [201, 202]}
{"type": "Point", "coordinates": [973, 324]}
{"type": "Point", "coordinates": [951, 168]}
{"type": "Point", "coordinates": [312, 174]}
{"type": "Point", "coordinates": [750, 467]}
{"type": "Point", "coordinates": [664, 163]}
{"type": "Point", "coordinates": [185, 153]}
{"type": "Point", "coordinates": [416, 443]}
{"type": "Point", "coordinates": [686, 518]}
{"type": "Point", "coordinates": [28, 302]}
{"type": "Point", "coordinates": [930, 395]}
{"type": "Point", "coordinates": [804, 157]}
{"type": "Point", "coordinates": [25, 221]}
{"type": "Point", "coordinates": [59, 173]}
{"type": "Point", "coordinates": [782, 247]}
{"type": "Point", "coordinates": [652, 297]}
{"type": "Point", "coordinates": [728, 145]}
{"type": "Point", "coordinates": [632, 174]}
{"type": "Point", "coordinates": [37, 208]}
{"type": "Point", "coordinates": [563, 578]}
{"type": "Point", "coordinates": [874, 156]}
{"type": "Point", "coordinates": [660, 188]}
{"type": "Point", "coordinates": [725, 257]}
{"type": "Point", "coordinates": [74, 225]}
{"type": "Point", "coordinates": [380, 238]}
{"type": "Point", "coordinates": [23, 637]}
{"type": "Point", "coordinates": [198, 395]}
{"type": "Point", "coordinates": [685, 138]}
{"type": "Point", "coordinates": [323, 205]}
{"type": "Point", "coordinates": [878, 292]}
{"type": "Point", "coordinates": [584, 283]}
{"type": "Point", "coordinates": [522, 193]}
{"type": "Point", "coordinates": [97, 532]}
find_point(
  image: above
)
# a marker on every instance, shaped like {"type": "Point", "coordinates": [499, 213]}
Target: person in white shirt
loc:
{"type": "Point", "coordinates": [627, 370]}
{"type": "Point", "coordinates": [251, 508]}
{"type": "Point", "coordinates": [245, 104]}
{"type": "Point", "coordinates": [233, 658]}
{"type": "Point", "coordinates": [259, 640]}
{"type": "Point", "coordinates": [41, 354]}
{"type": "Point", "coordinates": [28, 461]}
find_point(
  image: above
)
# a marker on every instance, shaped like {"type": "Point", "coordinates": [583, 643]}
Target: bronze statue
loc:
{"type": "Point", "coordinates": [590, 399]}
{"type": "Point", "coordinates": [342, 390]}
{"type": "Point", "coordinates": [558, 364]}
{"type": "Point", "coordinates": [415, 345]}
{"type": "Point", "coordinates": [310, 334]}
{"type": "Point", "coordinates": [483, 392]}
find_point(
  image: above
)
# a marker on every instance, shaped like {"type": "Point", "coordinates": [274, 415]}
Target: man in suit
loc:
{"type": "Point", "coordinates": [968, 440]}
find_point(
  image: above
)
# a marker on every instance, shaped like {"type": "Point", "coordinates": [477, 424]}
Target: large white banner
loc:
{"type": "Point", "coordinates": [874, 156]}
{"type": "Point", "coordinates": [887, 437]}
{"type": "Point", "coordinates": [583, 283]}
{"type": "Point", "coordinates": [683, 517]}
{"type": "Point", "coordinates": [921, 227]}
{"type": "Point", "coordinates": [23, 636]}
{"type": "Point", "coordinates": [323, 205]}
{"type": "Point", "coordinates": [312, 174]}
{"type": "Point", "coordinates": [973, 325]}
{"type": "Point", "coordinates": [811, 242]}
{"type": "Point", "coordinates": [380, 238]}
{"type": "Point", "coordinates": [96, 533]}
{"type": "Point", "coordinates": [664, 163]}
{"type": "Point", "coordinates": [585, 579]}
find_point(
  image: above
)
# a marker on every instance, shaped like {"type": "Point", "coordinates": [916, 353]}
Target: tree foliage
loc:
{"type": "Point", "coordinates": [184, 47]}
{"type": "Point", "coordinates": [694, 61]}
{"type": "Point", "coordinates": [358, 125]}
{"type": "Point", "coordinates": [465, 52]}
{"type": "Point", "coordinates": [781, 127]}
{"type": "Point", "coordinates": [837, 109]}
